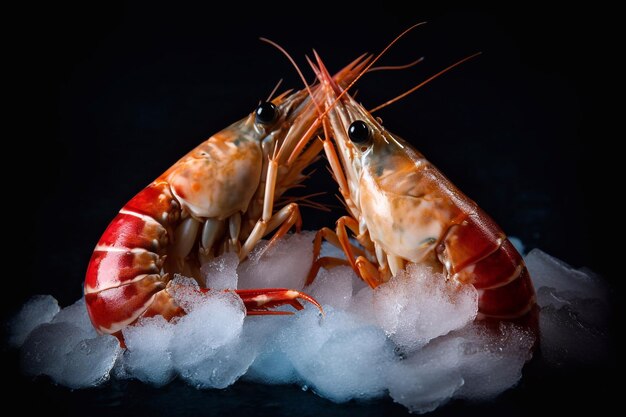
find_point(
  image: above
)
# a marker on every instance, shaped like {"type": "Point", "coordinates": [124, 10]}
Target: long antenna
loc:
{"type": "Point", "coordinates": [274, 90]}
{"type": "Point", "coordinates": [423, 83]}
{"type": "Point", "coordinates": [396, 67]}
{"type": "Point", "coordinates": [284, 52]}
{"type": "Point", "coordinates": [372, 62]}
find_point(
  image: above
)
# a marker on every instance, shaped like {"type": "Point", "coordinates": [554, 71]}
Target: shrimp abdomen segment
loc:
{"type": "Point", "coordinates": [112, 309]}
{"type": "Point", "coordinates": [110, 267]}
{"type": "Point", "coordinates": [511, 300]}
{"type": "Point", "coordinates": [477, 252]}
{"type": "Point", "coordinates": [125, 270]}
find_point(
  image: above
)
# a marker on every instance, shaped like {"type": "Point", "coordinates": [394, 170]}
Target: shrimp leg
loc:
{"type": "Point", "coordinates": [339, 238]}
{"type": "Point", "coordinates": [287, 217]}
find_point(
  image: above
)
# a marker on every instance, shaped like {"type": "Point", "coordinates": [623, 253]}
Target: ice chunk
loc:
{"type": "Point", "coordinates": [427, 378]}
{"type": "Point", "coordinates": [335, 252]}
{"type": "Point", "coordinates": [61, 351]}
{"type": "Point", "coordinates": [362, 305]}
{"type": "Point", "coordinates": [333, 287]}
{"type": "Point", "coordinates": [547, 271]}
{"type": "Point", "coordinates": [218, 367]}
{"type": "Point", "coordinates": [68, 349]}
{"type": "Point", "coordinates": [574, 313]}
{"type": "Point", "coordinates": [217, 320]}
{"type": "Point", "coordinates": [492, 358]}
{"type": "Point", "coordinates": [204, 342]}
{"type": "Point", "coordinates": [271, 365]}
{"type": "Point", "coordinates": [148, 357]}
{"type": "Point", "coordinates": [476, 362]}
{"type": "Point", "coordinates": [90, 361]}
{"type": "Point", "coordinates": [186, 292]}
{"type": "Point", "coordinates": [221, 273]}
{"type": "Point", "coordinates": [76, 314]}
{"type": "Point", "coordinates": [44, 349]}
{"type": "Point", "coordinates": [284, 265]}
{"type": "Point", "coordinates": [419, 304]}
{"type": "Point", "coordinates": [38, 310]}
{"type": "Point", "coordinates": [338, 356]}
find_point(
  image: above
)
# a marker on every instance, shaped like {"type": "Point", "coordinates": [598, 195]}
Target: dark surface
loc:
{"type": "Point", "coordinates": [108, 96]}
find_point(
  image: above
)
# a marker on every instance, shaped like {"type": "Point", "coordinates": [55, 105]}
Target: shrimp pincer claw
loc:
{"type": "Point", "coordinates": [258, 302]}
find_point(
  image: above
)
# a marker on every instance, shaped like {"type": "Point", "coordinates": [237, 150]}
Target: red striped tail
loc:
{"type": "Point", "coordinates": [124, 276]}
{"type": "Point", "coordinates": [476, 251]}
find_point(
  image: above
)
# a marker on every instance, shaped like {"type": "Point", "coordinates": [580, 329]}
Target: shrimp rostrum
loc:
{"type": "Point", "coordinates": [404, 210]}
{"type": "Point", "coordinates": [218, 198]}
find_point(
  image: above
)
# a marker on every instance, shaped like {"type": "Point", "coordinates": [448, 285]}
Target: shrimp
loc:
{"type": "Point", "coordinates": [403, 210]}
{"type": "Point", "coordinates": [218, 198]}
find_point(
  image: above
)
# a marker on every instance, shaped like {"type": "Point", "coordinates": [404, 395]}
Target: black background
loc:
{"type": "Point", "coordinates": [108, 95]}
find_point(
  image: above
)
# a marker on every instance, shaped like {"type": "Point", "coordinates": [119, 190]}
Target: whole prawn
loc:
{"type": "Point", "coordinates": [404, 210]}
{"type": "Point", "coordinates": [218, 198]}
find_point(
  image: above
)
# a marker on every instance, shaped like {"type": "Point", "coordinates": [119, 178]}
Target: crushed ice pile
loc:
{"type": "Point", "coordinates": [413, 338]}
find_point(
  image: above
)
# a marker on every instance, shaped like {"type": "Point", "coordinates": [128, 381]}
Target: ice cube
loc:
{"type": "Point", "coordinates": [221, 273]}
{"type": "Point", "coordinates": [38, 310]}
{"type": "Point", "coordinates": [419, 305]}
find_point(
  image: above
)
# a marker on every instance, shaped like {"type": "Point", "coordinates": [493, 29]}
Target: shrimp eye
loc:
{"type": "Point", "coordinates": [266, 113]}
{"type": "Point", "coordinates": [359, 132]}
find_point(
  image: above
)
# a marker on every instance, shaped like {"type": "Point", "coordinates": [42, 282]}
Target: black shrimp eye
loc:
{"type": "Point", "coordinates": [266, 113]}
{"type": "Point", "coordinates": [359, 132]}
